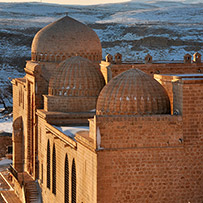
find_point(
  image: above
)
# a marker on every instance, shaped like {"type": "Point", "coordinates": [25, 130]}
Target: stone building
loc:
{"type": "Point", "coordinates": [87, 130]}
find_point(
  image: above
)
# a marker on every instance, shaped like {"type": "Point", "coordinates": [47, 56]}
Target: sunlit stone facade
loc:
{"type": "Point", "coordinates": [92, 131]}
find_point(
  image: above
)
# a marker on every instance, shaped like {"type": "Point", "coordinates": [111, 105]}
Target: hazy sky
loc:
{"type": "Point", "coordinates": [78, 2]}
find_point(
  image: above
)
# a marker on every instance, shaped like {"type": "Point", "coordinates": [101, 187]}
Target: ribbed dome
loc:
{"type": "Point", "coordinates": [76, 77]}
{"type": "Point", "coordinates": [66, 38]}
{"type": "Point", "coordinates": [133, 92]}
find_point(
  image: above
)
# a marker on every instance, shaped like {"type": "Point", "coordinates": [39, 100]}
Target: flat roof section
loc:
{"type": "Point", "coordinates": [70, 131]}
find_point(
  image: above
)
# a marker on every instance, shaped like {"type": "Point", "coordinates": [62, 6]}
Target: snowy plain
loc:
{"type": "Point", "coordinates": [165, 29]}
{"type": "Point", "coordinates": [6, 125]}
{"type": "Point", "coordinates": [119, 26]}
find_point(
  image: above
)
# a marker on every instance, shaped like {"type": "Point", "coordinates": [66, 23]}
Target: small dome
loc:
{"type": "Point", "coordinates": [133, 92]}
{"type": "Point", "coordinates": [66, 38]}
{"type": "Point", "coordinates": [76, 77]}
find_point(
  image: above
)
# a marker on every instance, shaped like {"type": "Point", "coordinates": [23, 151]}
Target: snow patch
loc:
{"type": "Point", "coordinates": [70, 131]}
{"type": "Point", "coordinates": [6, 124]}
{"type": "Point", "coordinates": [5, 162]}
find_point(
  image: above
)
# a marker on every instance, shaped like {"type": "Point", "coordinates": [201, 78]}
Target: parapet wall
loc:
{"type": "Point", "coordinates": [185, 93]}
{"type": "Point", "coordinates": [69, 104]}
{"type": "Point", "coordinates": [119, 132]}
{"type": "Point", "coordinates": [188, 100]}
{"type": "Point", "coordinates": [113, 70]}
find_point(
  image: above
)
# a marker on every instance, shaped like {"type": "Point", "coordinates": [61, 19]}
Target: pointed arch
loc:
{"type": "Point", "coordinates": [18, 144]}
{"type": "Point", "coordinates": [73, 182]}
{"type": "Point", "coordinates": [54, 170]}
{"type": "Point", "coordinates": [66, 180]}
{"type": "Point", "coordinates": [48, 164]}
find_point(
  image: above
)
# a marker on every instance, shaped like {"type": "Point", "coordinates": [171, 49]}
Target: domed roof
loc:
{"type": "Point", "coordinates": [65, 38]}
{"type": "Point", "coordinates": [133, 92]}
{"type": "Point", "coordinates": [76, 77]}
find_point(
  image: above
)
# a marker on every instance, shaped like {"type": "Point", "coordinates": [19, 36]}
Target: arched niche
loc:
{"type": "Point", "coordinates": [18, 146]}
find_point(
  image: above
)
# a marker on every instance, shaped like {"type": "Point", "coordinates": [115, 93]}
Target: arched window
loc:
{"type": "Point", "coordinates": [54, 171]}
{"type": "Point", "coordinates": [41, 173]}
{"type": "Point", "coordinates": [52, 57]}
{"type": "Point", "coordinates": [45, 57]}
{"type": "Point", "coordinates": [48, 165]}
{"type": "Point", "coordinates": [73, 182]}
{"type": "Point", "coordinates": [63, 57]}
{"type": "Point", "coordinates": [58, 57]}
{"type": "Point", "coordinates": [66, 174]}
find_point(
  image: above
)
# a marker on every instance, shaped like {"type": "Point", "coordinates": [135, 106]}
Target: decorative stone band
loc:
{"type": "Point", "coordinates": [69, 104]}
{"type": "Point", "coordinates": [53, 57]}
{"type": "Point", "coordinates": [74, 91]}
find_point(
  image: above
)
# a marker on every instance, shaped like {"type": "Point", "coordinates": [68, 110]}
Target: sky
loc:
{"type": "Point", "coordinates": [73, 2]}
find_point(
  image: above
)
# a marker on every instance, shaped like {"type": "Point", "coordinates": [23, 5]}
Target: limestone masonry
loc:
{"type": "Point", "coordinates": [92, 131]}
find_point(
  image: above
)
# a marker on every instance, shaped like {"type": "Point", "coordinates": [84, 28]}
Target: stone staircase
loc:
{"type": "Point", "coordinates": [32, 194]}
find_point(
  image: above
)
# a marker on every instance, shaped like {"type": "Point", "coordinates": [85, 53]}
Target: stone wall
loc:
{"type": "Point", "coordinates": [169, 174]}
{"type": "Point", "coordinates": [119, 132]}
{"type": "Point", "coordinates": [19, 112]}
{"type": "Point", "coordinates": [69, 104]}
{"type": "Point", "coordinates": [85, 160]}
{"type": "Point", "coordinates": [19, 97]}
{"type": "Point", "coordinates": [136, 164]}
{"type": "Point", "coordinates": [142, 158]}
{"type": "Point", "coordinates": [191, 108]}
{"type": "Point", "coordinates": [153, 68]}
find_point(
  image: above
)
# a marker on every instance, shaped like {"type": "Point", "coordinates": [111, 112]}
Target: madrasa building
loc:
{"type": "Point", "coordinates": [87, 130]}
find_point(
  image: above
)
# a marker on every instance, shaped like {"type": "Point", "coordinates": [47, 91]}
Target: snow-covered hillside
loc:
{"type": "Point", "coordinates": [165, 29]}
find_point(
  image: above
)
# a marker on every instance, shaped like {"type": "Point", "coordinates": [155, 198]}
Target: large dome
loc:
{"type": "Point", "coordinates": [133, 93]}
{"type": "Point", "coordinates": [66, 38]}
{"type": "Point", "coordinates": [76, 77]}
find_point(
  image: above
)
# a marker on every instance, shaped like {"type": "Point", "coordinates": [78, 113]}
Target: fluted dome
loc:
{"type": "Point", "coordinates": [66, 38]}
{"type": "Point", "coordinates": [76, 77]}
{"type": "Point", "coordinates": [133, 92]}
